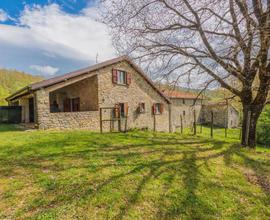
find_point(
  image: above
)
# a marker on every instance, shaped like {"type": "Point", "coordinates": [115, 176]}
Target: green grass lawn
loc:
{"type": "Point", "coordinates": [137, 175]}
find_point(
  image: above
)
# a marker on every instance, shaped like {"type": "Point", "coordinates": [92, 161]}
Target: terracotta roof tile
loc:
{"type": "Point", "coordinates": [180, 95]}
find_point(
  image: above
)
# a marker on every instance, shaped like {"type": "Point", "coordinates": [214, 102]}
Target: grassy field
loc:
{"type": "Point", "coordinates": [137, 175]}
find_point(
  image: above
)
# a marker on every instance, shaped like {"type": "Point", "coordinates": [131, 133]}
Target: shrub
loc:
{"type": "Point", "coordinates": [263, 127]}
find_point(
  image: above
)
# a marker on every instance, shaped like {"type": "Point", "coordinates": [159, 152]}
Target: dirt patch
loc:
{"type": "Point", "coordinates": [259, 180]}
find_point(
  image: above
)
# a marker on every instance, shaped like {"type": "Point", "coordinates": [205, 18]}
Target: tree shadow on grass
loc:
{"type": "Point", "coordinates": [150, 160]}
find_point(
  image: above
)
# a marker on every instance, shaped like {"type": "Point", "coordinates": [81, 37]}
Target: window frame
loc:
{"type": "Point", "coordinates": [124, 77]}
{"type": "Point", "coordinates": [142, 107]}
{"type": "Point", "coordinates": [158, 108]}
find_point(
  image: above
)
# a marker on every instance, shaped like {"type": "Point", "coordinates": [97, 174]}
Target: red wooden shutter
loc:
{"type": "Point", "coordinates": [126, 108]}
{"type": "Point", "coordinates": [154, 110]}
{"type": "Point", "coordinates": [114, 75]}
{"type": "Point", "coordinates": [161, 108]}
{"type": "Point", "coordinates": [67, 106]}
{"type": "Point", "coordinates": [128, 75]}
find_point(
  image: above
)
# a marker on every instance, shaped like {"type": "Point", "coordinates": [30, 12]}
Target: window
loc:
{"type": "Point", "coordinates": [184, 113]}
{"type": "Point", "coordinates": [121, 109]}
{"type": "Point", "coordinates": [184, 101]}
{"type": "Point", "coordinates": [141, 108]}
{"type": "Point", "coordinates": [121, 77]}
{"type": "Point", "coordinates": [158, 108]}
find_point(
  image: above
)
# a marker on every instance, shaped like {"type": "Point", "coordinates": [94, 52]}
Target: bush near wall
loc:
{"type": "Point", "coordinates": [263, 127]}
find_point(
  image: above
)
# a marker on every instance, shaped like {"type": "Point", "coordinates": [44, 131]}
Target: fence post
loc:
{"type": "Point", "coordinates": [100, 119]}
{"type": "Point", "coordinates": [181, 121]}
{"type": "Point", "coordinates": [195, 129]}
{"type": "Point", "coordinates": [212, 123]}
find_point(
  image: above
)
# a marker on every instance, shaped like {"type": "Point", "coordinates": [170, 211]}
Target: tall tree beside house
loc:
{"type": "Point", "coordinates": [222, 42]}
{"type": "Point", "coordinates": [12, 80]}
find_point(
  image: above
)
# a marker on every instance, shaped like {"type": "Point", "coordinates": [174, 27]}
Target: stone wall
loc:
{"type": "Point", "coordinates": [108, 95]}
{"type": "Point", "coordinates": [63, 120]}
{"type": "Point", "coordinates": [220, 114]}
{"type": "Point", "coordinates": [138, 91]}
{"type": "Point", "coordinates": [186, 111]}
{"type": "Point", "coordinates": [87, 91]}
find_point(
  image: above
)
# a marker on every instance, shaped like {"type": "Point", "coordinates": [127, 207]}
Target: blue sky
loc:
{"type": "Point", "coordinates": [51, 37]}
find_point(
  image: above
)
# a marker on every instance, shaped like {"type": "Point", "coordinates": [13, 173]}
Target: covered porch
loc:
{"type": "Point", "coordinates": [78, 97]}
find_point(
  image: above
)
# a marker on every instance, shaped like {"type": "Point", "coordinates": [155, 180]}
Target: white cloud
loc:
{"type": "Point", "coordinates": [47, 70]}
{"type": "Point", "coordinates": [81, 33]}
{"type": "Point", "coordinates": [3, 16]}
{"type": "Point", "coordinates": [55, 33]}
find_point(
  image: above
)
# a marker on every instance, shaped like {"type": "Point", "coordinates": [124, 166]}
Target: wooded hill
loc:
{"type": "Point", "coordinates": [12, 80]}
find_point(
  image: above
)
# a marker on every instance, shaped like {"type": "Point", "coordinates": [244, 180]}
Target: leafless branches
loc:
{"type": "Point", "coordinates": [226, 40]}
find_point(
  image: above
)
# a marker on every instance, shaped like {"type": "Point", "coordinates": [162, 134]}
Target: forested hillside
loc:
{"type": "Point", "coordinates": [11, 80]}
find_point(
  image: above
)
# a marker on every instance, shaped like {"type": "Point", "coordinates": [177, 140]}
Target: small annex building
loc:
{"type": "Point", "coordinates": [224, 115]}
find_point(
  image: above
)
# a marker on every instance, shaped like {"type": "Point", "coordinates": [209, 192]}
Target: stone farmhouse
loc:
{"type": "Point", "coordinates": [224, 115]}
{"type": "Point", "coordinates": [115, 91]}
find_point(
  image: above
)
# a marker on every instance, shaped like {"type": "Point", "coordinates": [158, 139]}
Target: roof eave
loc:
{"type": "Point", "coordinates": [24, 90]}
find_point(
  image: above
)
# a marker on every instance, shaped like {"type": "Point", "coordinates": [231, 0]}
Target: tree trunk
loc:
{"type": "Point", "coordinates": [251, 114]}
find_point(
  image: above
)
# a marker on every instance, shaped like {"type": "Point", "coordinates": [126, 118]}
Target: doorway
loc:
{"type": "Point", "coordinates": [31, 110]}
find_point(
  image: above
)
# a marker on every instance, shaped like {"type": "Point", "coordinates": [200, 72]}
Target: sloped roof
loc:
{"type": "Point", "coordinates": [180, 95]}
{"type": "Point", "coordinates": [222, 104]}
{"type": "Point", "coordinates": [81, 72]}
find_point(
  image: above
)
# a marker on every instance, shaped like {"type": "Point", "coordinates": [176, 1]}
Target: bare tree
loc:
{"type": "Point", "coordinates": [224, 41]}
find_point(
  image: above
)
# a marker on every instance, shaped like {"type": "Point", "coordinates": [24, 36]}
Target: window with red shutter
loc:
{"type": "Point", "coordinates": [123, 108]}
{"type": "Point", "coordinates": [121, 77]}
{"type": "Point", "coordinates": [158, 108]}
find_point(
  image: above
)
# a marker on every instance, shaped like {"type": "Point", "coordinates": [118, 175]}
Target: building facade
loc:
{"type": "Point", "coordinates": [185, 109]}
{"type": "Point", "coordinates": [224, 115]}
{"type": "Point", "coordinates": [74, 100]}
{"type": "Point", "coordinates": [116, 93]}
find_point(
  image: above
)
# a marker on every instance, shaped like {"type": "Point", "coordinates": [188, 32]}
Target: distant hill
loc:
{"type": "Point", "coordinates": [12, 80]}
